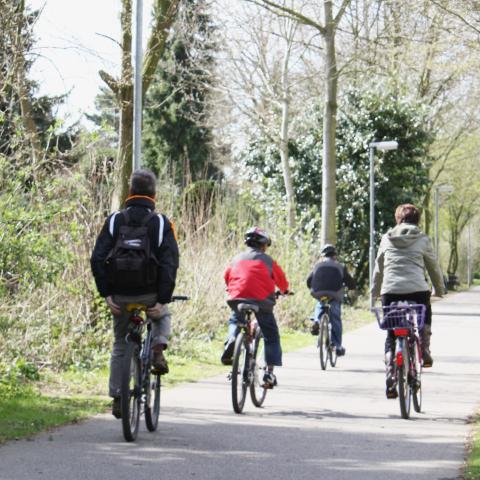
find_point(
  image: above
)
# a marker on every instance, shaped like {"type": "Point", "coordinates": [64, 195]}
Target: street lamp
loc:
{"type": "Point", "coordinates": [137, 92]}
{"type": "Point", "coordinates": [382, 146]}
{"type": "Point", "coordinates": [438, 189]}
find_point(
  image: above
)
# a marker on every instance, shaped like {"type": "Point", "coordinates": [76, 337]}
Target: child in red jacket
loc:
{"type": "Point", "coordinates": [251, 278]}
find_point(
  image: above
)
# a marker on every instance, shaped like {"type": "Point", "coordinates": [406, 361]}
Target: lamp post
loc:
{"type": "Point", "coordinates": [137, 92]}
{"type": "Point", "coordinates": [438, 189]}
{"type": "Point", "coordinates": [382, 146]}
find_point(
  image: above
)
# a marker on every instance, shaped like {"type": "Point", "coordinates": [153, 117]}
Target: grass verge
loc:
{"type": "Point", "coordinates": [67, 397]}
{"type": "Point", "coordinates": [472, 467]}
{"type": "Point", "coordinates": [27, 414]}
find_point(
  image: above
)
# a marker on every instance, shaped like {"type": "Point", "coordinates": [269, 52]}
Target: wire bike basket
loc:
{"type": "Point", "coordinates": [400, 315]}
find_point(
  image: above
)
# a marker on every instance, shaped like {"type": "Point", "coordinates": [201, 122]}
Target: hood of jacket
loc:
{"type": "Point", "coordinates": [404, 235]}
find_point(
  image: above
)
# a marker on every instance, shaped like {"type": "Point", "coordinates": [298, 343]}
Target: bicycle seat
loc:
{"type": "Point", "coordinates": [243, 307]}
{"type": "Point", "coordinates": [135, 306]}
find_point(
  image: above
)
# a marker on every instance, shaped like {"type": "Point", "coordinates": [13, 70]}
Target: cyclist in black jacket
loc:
{"type": "Point", "coordinates": [328, 279]}
{"type": "Point", "coordinates": [161, 235]}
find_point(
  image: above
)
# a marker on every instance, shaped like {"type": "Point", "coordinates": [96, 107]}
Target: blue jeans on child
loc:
{"type": "Point", "coordinates": [268, 325]}
{"type": "Point", "coordinates": [335, 319]}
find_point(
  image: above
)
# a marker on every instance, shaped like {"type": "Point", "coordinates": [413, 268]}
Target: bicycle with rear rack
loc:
{"type": "Point", "coordinates": [326, 348]}
{"type": "Point", "coordinates": [140, 386]}
{"type": "Point", "coordinates": [405, 321]}
{"type": "Point", "coordinates": [249, 364]}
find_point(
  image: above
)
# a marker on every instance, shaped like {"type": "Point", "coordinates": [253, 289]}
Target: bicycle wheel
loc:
{"type": "Point", "coordinates": [257, 392]}
{"type": "Point", "coordinates": [152, 401]}
{"type": "Point", "coordinates": [417, 381]}
{"type": "Point", "coordinates": [239, 373]}
{"type": "Point", "coordinates": [332, 351]}
{"type": "Point", "coordinates": [323, 341]}
{"type": "Point", "coordinates": [404, 391]}
{"type": "Point", "coordinates": [130, 392]}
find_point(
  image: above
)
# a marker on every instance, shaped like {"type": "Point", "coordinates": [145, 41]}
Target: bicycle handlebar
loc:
{"type": "Point", "coordinates": [278, 293]}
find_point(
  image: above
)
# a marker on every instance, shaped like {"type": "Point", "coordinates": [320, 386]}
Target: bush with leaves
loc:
{"type": "Point", "coordinates": [400, 176]}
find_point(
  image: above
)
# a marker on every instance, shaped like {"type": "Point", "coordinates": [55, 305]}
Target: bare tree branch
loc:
{"type": "Point", "coordinates": [455, 14]}
{"type": "Point", "coordinates": [341, 12]}
{"type": "Point", "coordinates": [291, 13]}
{"type": "Point", "coordinates": [110, 81]}
{"type": "Point", "coordinates": [164, 15]}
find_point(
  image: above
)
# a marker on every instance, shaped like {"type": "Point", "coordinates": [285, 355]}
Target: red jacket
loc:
{"type": "Point", "coordinates": [252, 276]}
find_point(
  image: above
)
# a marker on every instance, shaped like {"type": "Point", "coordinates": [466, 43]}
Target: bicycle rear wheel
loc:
{"type": "Point", "coordinates": [417, 381]}
{"type": "Point", "coordinates": [239, 373]}
{"type": "Point", "coordinates": [257, 392]}
{"type": "Point", "coordinates": [404, 390]}
{"type": "Point", "coordinates": [152, 401]}
{"type": "Point", "coordinates": [323, 341]}
{"type": "Point", "coordinates": [130, 391]}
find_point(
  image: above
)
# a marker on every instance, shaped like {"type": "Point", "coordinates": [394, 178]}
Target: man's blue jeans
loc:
{"type": "Point", "coordinates": [268, 325]}
{"type": "Point", "coordinates": [335, 319]}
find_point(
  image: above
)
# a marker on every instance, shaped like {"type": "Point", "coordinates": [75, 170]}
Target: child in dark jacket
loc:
{"type": "Point", "coordinates": [328, 279]}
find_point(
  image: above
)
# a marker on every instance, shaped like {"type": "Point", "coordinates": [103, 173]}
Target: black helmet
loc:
{"type": "Point", "coordinates": [255, 237]}
{"type": "Point", "coordinates": [328, 250]}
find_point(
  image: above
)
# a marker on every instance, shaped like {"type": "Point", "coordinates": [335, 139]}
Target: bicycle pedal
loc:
{"type": "Point", "coordinates": [229, 377]}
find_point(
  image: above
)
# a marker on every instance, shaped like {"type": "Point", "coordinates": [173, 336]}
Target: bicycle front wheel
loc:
{"type": "Point", "coordinates": [323, 341]}
{"type": "Point", "coordinates": [152, 401]}
{"type": "Point", "coordinates": [239, 373]}
{"type": "Point", "coordinates": [404, 391]}
{"type": "Point", "coordinates": [257, 392]}
{"type": "Point", "coordinates": [130, 392]}
{"type": "Point", "coordinates": [417, 371]}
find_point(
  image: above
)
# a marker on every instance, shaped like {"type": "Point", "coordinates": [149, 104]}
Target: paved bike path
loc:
{"type": "Point", "coordinates": [333, 424]}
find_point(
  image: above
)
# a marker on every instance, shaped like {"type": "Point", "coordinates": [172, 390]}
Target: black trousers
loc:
{"type": "Point", "coordinates": [421, 298]}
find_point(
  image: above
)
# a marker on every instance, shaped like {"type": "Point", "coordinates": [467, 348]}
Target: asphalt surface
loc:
{"type": "Point", "coordinates": [334, 424]}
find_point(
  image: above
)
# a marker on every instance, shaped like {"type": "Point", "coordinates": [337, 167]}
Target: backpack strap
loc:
{"type": "Point", "coordinates": [161, 226]}
{"type": "Point", "coordinates": [111, 224]}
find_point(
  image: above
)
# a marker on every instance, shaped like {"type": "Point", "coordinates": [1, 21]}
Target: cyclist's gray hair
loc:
{"type": "Point", "coordinates": [143, 182]}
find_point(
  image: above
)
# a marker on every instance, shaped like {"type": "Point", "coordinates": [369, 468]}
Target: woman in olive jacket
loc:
{"type": "Point", "coordinates": [405, 253]}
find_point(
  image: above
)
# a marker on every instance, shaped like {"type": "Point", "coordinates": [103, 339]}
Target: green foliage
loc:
{"type": "Point", "coordinates": [48, 312]}
{"type": "Point", "coordinates": [472, 467]}
{"type": "Point", "coordinates": [177, 138]}
{"type": "Point", "coordinates": [31, 250]}
{"type": "Point", "coordinates": [400, 176]}
{"type": "Point", "coordinates": [15, 378]}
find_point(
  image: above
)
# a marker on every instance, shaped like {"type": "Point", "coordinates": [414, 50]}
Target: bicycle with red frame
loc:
{"type": "Point", "coordinates": [249, 363]}
{"type": "Point", "coordinates": [405, 321]}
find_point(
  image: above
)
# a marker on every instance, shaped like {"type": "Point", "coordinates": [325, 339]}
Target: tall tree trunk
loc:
{"type": "Point", "coordinates": [327, 31]}
{"type": "Point", "coordinates": [329, 189]}
{"type": "Point", "coordinates": [284, 154]}
{"type": "Point", "coordinates": [164, 13]}
{"type": "Point", "coordinates": [23, 92]}
{"type": "Point", "coordinates": [123, 168]}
